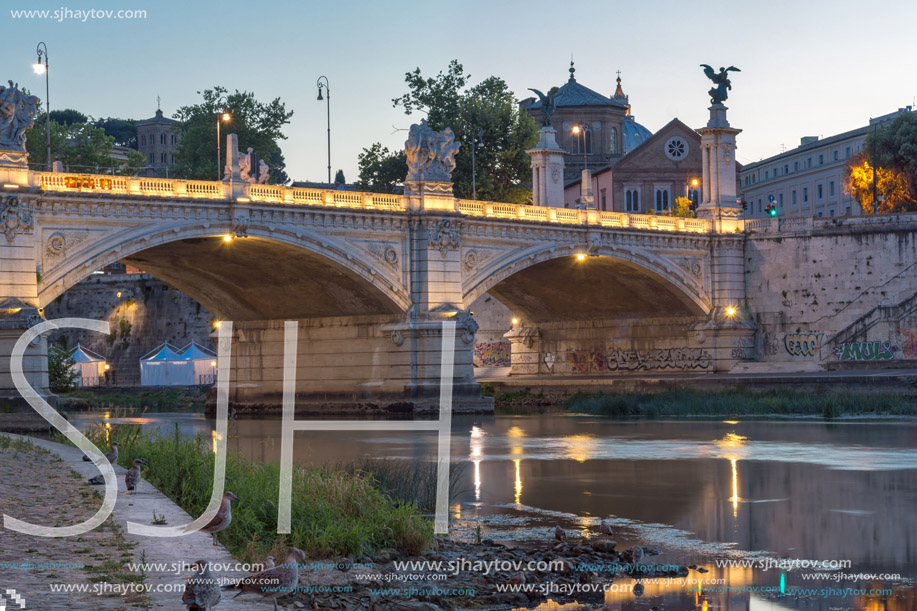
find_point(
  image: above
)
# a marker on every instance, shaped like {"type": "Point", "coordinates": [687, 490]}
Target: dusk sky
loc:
{"type": "Point", "coordinates": [808, 68]}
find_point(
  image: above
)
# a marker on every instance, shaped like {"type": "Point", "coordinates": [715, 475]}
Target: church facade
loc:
{"type": "Point", "coordinates": [592, 128]}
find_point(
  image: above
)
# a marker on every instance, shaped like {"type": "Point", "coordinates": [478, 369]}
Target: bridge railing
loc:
{"type": "Point", "coordinates": [278, 194]}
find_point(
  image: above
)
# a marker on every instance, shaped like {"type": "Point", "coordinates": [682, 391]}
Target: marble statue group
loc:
{"type": "Point", "coordinates": [17, 114]}
{"type": "Point", "coordinates": [430, 154]}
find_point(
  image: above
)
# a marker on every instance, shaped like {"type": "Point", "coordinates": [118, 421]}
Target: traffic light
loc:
{"type": "Point", "coordinates": [744, 205]}
{"type": "Point", "coordinates": [771, 210]}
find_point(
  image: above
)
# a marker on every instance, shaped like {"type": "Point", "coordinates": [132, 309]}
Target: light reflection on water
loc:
{"type": "Point", "coordinates": [808, 490]}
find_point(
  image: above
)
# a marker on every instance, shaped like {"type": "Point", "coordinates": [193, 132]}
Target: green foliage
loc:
{"type": "Point", "coordinates": [124, 131]}
{"type": "Point", "coordinates": [895, 147]}
{"type": "Point", "coordinates": [68, 116]}
{"type": "Point", "coordinates": [61, 374]}
{"type": "Point", "coordinates": [487, 114]}
{"type": "Point", "coordinates": [380, 169]}
{"type": "Point", "coordinates": [682, 208]}
{"type": "Point", "coordinates": [258, 124]}
{"type": "Point", "coordinates": [333, 512]}
{"type": "Point", "coordinates": [81, 147]}
{"type": "Point", "coordinates": [687, 402]}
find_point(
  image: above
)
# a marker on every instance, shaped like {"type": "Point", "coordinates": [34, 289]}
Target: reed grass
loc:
{"type": "Point", "coordinates": [334, 512]}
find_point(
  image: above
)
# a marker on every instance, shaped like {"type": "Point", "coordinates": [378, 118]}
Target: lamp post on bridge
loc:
{"type": "Point", "coordinates": [581, 128]}
{"type": "Point", "coordinates": [223, 116]}
{"type": "Point", "coordinates": [40, 68]}
{"type": "Point", "coordinates": [319, 84]}
{"type": "Point", "coordinates": [477, 134]}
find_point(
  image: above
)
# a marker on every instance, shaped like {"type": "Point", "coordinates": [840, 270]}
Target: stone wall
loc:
{"type": "Point", "coordinates": [835, 294]}
{"type": "Point", "coordinates": [147, 313]}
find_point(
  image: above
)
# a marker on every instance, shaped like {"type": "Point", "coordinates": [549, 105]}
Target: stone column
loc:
{"type": "Point", "coordinates": [547, 170]}
{"type": "Point", "coordinates": [718, 144]}
{"type": "Point", "coordinates": [19, 306]}
{"type": "Point", "coordinates": [586, 199]}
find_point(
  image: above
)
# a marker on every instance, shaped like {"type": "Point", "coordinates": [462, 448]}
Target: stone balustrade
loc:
{"type": "Point", "coordinates": [275, 194]}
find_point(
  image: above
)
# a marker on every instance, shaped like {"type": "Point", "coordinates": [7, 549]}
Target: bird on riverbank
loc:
{"type": "Point", "coordinates": [111, 455]}
{"type": "Point", "coordinates": [132, 477]}
{"type": "Point", "coordinates": [223, 517]}
{"type": "Point", "coordinates": [202, 591]}
{"type": "Point", "coordinates": [559, 533]}
{"type": "Point", "coordinates": [604, 528]}
{"type": "Point", "coordinates": [273, 583]}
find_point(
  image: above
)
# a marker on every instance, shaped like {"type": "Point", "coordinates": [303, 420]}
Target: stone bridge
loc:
{"type": "Point", "coordinates": [370, 277]}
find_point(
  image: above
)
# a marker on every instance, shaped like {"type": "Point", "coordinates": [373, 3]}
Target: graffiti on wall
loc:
{"type": "Point", "coordinates": [909, 345]}
{"type": "Point", "coordinates": [865, 351]}
{"type": "Point", "coordinates": [803, 344]}
{"type": "Point", "coordinates": [592, 361]}
{"type": "Point", "coordinates": [743, 348]}
{"type": "Point", "coordinates": [492, 354]}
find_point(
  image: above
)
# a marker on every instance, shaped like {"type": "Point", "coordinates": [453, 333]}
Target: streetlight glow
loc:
{"type": "Point", "coordinates": [515, 321]}
{"type": "Point", "coordinates": [576, 129]}
{"type": "Point", "coordinates": [580, 257]}
{"type": "Point", "coordinates": [694, 182]}
{"type": "Point", "coordinates": [227, 237]}
{"type": "Point", "coordinates": [39, 68]}
{"type": "Point", "coordinates": [730, 311]}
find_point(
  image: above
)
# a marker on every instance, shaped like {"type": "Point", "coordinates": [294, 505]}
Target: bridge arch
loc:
{"type": "Point", "coordinates": [546, 283]}
{"type": "Point", "coordinates": [318, 275]}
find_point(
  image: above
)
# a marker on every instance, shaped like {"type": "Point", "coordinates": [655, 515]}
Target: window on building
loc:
{"type": "Point", "coordinates": [836, 155]}
{"type": "Point", "coordinates": [847, 211]}
{"type": "Point", "coordinates": [819, 214]}
{"type": "Point", "coordinates": [780, 200]}
{"type": "Point", "coordinates": [604, 201]}
{"type": "Point", "coordinates": [795, 166]}
{"type": "Point", "coordinates": [632, 200]}
{"type": "Point", "coordinates": [847, 152]}
{"type": "Point", "coordinates": [162, 157]}
{"type": "Point", "coordinates": [162, 138]}
{"type": "Point", "coordinates": [173, 138]}
{"type": "Point", "coordinates": [805, 194]}
{"type": "Point", "coordinates": [151, 157]}
{"type": "Point", "coordinates": [613, 141]}
{"type": "Point", "coordinates": [831, 189]}
{"type": "Point", "coordinates": [809, 162]}
{"type": "Point", "coordinates": [765, 174]}
{"type": "Point", "coordinates": [819, 191]}
{"type": "Point", "coordinates": [831, 212]}
{"type": "Point", "coordinates": [143, 140]}
{"type": "Point", "coordinates": [821, 159]}
{"type": "Point", "coordinates": [786, 169]}
{"type": "Point", "coordinates": [173, 160]}
{"type": "Point", "coordinates": [662, 199]}
{"type": "Point", "coordinates": [793, 197]}
{"type": "Point", "coordinates": [759, 205]}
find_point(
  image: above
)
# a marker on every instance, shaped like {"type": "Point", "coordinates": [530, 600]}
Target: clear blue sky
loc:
{"type": "Point", "coordinates": [808, 68]}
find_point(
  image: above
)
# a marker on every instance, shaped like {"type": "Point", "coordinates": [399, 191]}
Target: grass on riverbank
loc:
{"type": "Point", "coordinates": [738, 402]}
{"type": "Point", "coordinates": [334, 513]}
{"type": "Point", "coordinates": [163, 399]}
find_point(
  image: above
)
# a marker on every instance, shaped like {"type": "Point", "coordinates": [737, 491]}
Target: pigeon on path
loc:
{"type": "Point", "coordinates": [605, 528]}
{"type": "Point", "coordinates": [111, 455]}
{"type": "Point", "coordinates": [202, 592]}
{"type": "Point", "coordinates": [276, 582]}
{"type": "Point", "coordinates": [223, 518]}
{"type": "Point", "coordinates": [132, 477]}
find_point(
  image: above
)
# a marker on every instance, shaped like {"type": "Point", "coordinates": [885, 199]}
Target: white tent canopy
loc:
{"type": "Point", "coordinates": [165, 367]}
{"type": "Point", "coordinates": [205, 363]}
{"type": "Point", "coordinates": [89, 365]}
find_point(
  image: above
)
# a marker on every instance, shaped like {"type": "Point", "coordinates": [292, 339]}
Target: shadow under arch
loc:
{"type": "Point", "coordinates": [551, 284]}
{"type": "Point", "coordinates": [270, 275]}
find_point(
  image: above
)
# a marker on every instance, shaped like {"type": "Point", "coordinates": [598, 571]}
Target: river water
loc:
{"type": "Point", "coordinates": [701, 492]}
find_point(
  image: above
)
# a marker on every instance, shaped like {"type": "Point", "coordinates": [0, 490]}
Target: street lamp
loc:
{"type": "Point", "coordinates": [42, 68]}
{"type": "Point", "coordinates": [319, 84]}
{"type": "Point", "coordinates": [581, 129]}
{"type": "Point", "coordinates": [223, 116]}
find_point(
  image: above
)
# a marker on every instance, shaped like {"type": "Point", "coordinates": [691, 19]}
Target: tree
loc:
{"type": "Point", "coordinates": [893, 149]}
{"type": "Point", "coordinates": [487, 116]}
{"type": "Point", "coordinates": [380, 169]}
{"type": "Point", "coordinates": [339, 178]}
{"type": "Point", "coordinates": [124, 131]}
{"type": "Point", "coordinates": [890, 185]}
{"type": "Point", "coordinates": [81, 148]}
{"type": "Point", "coordinates": [682, 207]}
{"type": "Point", "coordinates": [62, 376]}
{"type": "Point", "coordinates": [258, 125]}
{"type": "Point", "coordinates": [68, 116]}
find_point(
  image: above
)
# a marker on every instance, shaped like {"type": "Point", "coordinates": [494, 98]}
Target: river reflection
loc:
{"type": "Point", "coordinates": [698, 490]}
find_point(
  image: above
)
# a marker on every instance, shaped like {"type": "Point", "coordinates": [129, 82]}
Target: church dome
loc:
{"type": "Point", "coordinates": [634, 134]}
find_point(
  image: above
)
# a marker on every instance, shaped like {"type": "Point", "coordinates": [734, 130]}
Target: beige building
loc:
{"type": "Point", "coordinates": [158, 143]}
{"type": "Point", "coordinates": [809, 180]}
